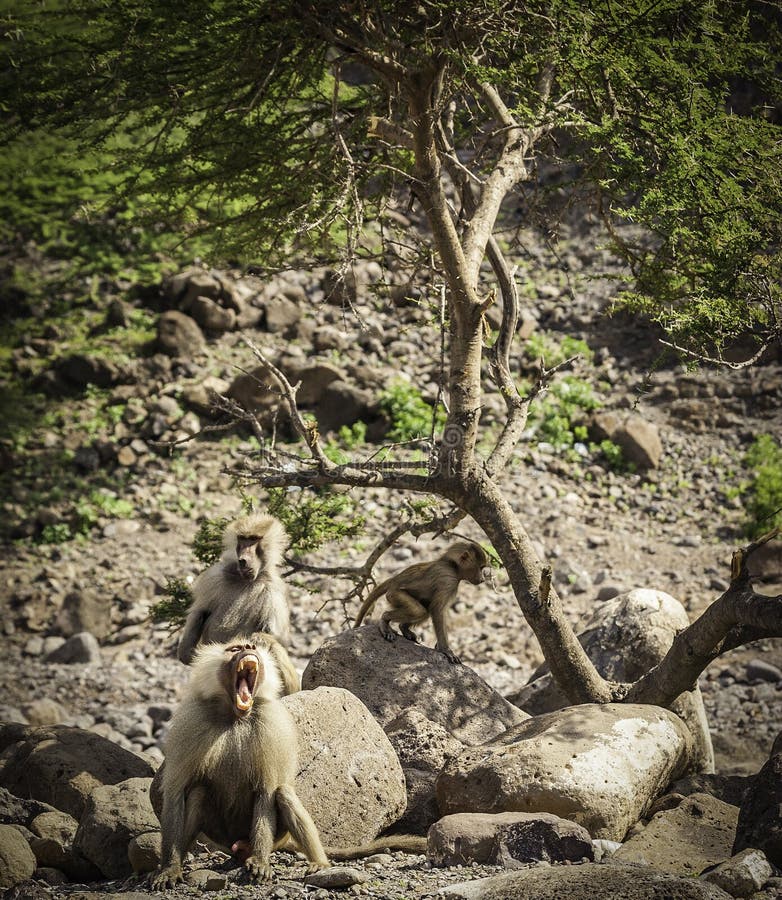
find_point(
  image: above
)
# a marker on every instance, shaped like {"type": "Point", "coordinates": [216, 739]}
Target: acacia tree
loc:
{"type": "Point", "coordinates": [664, 114]}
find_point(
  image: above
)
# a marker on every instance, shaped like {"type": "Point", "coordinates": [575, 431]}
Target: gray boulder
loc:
{"type": "Point", "coordinates": [625, 638]}
{"type": "Point", "coordinates": [115, 814]}
{"type": "Point", "coordinates": [62, 766]}
{"type": "Point", "coordinates": [349, 777]}
{"type": "Point", "coordinates": [453, 696]}
{"type": "Point", "coordinates": [599, 766]}
{"type": "Point", "coordinates": [506, 839]}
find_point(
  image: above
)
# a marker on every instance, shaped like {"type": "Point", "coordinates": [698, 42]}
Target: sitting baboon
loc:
{"type": "Point", "coordinates": [427, 589]}
{"type": "Point", "coordinates": [231, 760]}
{"type": "Point", "coordinates": [242, 592]}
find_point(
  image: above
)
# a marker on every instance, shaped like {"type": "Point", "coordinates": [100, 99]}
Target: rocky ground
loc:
{"type": "Point", "coordinates": [672, 527]}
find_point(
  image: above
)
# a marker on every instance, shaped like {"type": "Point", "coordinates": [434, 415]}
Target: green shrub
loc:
{"type": "Point", "coordinates": [409, 414]}
{"type": "Point", "coordinates": [763, 500]}
{"type": "Point", "coordinates": [558, 418]}
{"type": "Point", "coordinates": [313, 519]}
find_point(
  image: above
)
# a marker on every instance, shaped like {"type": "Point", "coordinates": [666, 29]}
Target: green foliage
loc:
{"type": "Point", "coordinates": [409, 414]}
{"type": "Point", "coordinates": [614, 457]}
{"type": "Point", "coordinates": [763, 500]}
{"type": "Point", "coordinates": [313, 519]}
{"type": "Point", "coordinates": [208, 541]}
{"type": "Point", "coordinates": [175, 604]}
{"type": "Point", "coordinates": [353, 436]}
{"type": "Point", "coordinates": [541, 345]}
{"type": "Point", "coordinates": [558, 418]}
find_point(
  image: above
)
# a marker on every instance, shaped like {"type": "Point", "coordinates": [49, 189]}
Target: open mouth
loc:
{"type": "Point", "coordinates": [244, 684]}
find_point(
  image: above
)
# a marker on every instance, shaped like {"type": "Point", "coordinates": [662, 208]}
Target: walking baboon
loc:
{"type": "Point", "coordinates": [242, 593]}
{"type": "Point", "coordinates": [231, 760]}
{"type": "Point", "coordinates": [427, 589]}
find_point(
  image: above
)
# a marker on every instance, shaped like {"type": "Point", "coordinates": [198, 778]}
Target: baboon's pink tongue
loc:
{"type": "Point", "coordinates": [245, 694]}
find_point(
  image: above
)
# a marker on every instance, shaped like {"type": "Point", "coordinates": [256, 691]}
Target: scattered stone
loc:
{"type": "Point", "coordinates": [639, 439]}
{"type": "Point", "coordinates": [44, 711]}
{"type": "Point", "coordinates": [742, 874]}
{"type": "Point", "coordinates": [82, 611]}
{"type": "Point", "coordinates": [115, 813]}
{"type": "Point", "coordinates": [82, 648]}
{"type": "Point", "coordinates": [210, 316]}
{"type": "Point", "coordinates": [336, 877]}
{"type": "Point", "coordinates": [62, 766]}
{"type": "Point", "coordinates": [454, 697]}
{"type": "Point", "coordinates": [144, 852]}
{"type": "Point", "coordinates": [281, 314]}
{"type": "Point", "coordinates": [341, 745]}
{"type": "Point", "coordinates": [685, 840]}
{"type": "Point", "coordinates": [178, 335]}
{"type": "Point", "coordinates": [81, 369]}
{"type": "Point", "coordinates": [760, 817]}
{"type": "Point", "coordinates": [599, 766]}
{"type": "Point", "coordinates": [17, 861]}
{"type": "Point", "coordinates": [760, 670]}
{"type": "Point", "coordinates": [507, 839]}
{"type": "Point", "coordinates": [591, 881]}
{"type": "Point", "coordinates": [206, 880]}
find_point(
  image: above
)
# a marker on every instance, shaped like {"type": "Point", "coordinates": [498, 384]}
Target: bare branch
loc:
{"type": "Point", "coordinates": [307, 431]}
{"type": "Point", "coordinates": [718, 360]}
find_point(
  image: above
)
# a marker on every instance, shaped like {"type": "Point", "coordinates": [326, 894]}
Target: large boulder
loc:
{"type": "Point", "coordinates": [349, 777]}
{"type": "Point", "coordinates": [17, 861]}
{"type": "Point", "coordinates": [685, 840]}
{"type": "Point", "coordinates": [625, 638]}
{"type": "Point", "coordinates": [506, 839]}
{"type": "Point", "coordinates": [591, 881]}
{"type": "Point", "coordinates": [599, 766]}
{"type": "Point", "coordinates": [390, 678]}
{"type": "Point", "coordinates": [760, 818]}
{"type": "Point", "coordinates": [61, 766]}
{"type": "Point", "coordinates": [423, 748]}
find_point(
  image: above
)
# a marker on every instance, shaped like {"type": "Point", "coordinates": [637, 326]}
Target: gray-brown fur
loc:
{"type": "Point", "coordinates": [231, 760]}
{"type": "Point", "coordinates": [427, 590]}
{"type": "Point", "coordinates": [242, 593]}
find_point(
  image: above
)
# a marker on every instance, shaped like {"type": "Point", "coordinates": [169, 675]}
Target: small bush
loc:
{"type": "Point", "coordinates": [313, 519]}
{"type": "Point", "coordinates": [410, 415]}
{"type": "Point", "coordinates": [558, 418]}
{"type": "Point", "coordinates": [763, 500]}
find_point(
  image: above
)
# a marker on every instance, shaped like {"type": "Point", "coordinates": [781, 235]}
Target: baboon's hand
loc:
{"type": "Point", "coordinates": [257, 869]}
{"type": "Point", "coordinates": [451, 656]}
{"type": "Point", "coordinates": [167, 878]}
